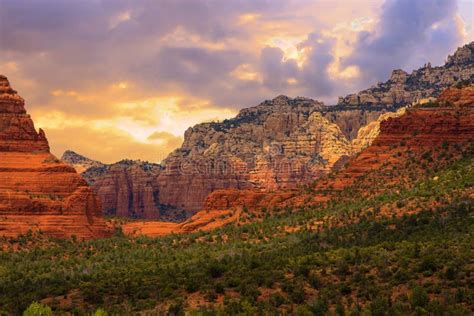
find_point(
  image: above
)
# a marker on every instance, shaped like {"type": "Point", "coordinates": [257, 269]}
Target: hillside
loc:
{"type": "Point", "coordinates": [403, 247]}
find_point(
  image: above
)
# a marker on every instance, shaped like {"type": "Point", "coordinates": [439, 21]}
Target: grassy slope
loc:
{"type": "Point", "coordinates": [360, 259]}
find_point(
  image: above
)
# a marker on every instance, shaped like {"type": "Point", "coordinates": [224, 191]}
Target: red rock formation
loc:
{"type": "Point", "coordinates": [418, 131]}
{"type": "Point", "coordinates": [457, 96]}
{"type": "Point", "coordinates": [129, 189]}
{"type": "Point", "coordinates": [37, 191]}
{"type": "Point", "coordinates": [279, 144]}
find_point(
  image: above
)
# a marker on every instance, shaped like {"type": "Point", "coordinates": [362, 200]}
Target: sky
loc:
{"type": "Point", "coordinates": [116, 79]}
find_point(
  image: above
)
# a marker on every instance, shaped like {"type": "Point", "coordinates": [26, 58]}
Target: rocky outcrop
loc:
{"type": "Point", "coordinates": [350, 120]}
{"type": "Point", "coordinates": [278, 144]}
{"type": "Point", "coordinates": [404, 89]}
{"type": "Point", "coordinates": [17, 132]}
{"type": "Point", "coordinates": [410, 141]}
{"type": "Point", "coordinates": [79, 162]}
{"type": "Point", "coordinates": [37, 191]}
{"type": "Point", "coordinates": [128, 188]}
{"type": "Point", "coordinates": [457, 96]}
{"type": "Point", "coordinates": [367, 134]}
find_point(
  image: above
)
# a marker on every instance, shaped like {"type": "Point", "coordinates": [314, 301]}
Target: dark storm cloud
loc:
{"type": "Point", "coordinates": [312, 79]}
{"type": "Point", "coordinates": [407, 30]}
{"type": "Point", "coordinates": [275, 70]}
{"type": "Point", "coordinates": [315, 74]}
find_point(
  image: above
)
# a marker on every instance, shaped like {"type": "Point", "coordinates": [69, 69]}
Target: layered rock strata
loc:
{"type": "Point", "coordinates": [420, 133]}
{"type": "Point", "coordinates": [278, 144]}
{"type": "Point", "coordinates": [37, 191]}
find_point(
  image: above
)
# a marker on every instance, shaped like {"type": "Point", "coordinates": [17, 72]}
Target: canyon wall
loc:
{"type": "Point", "coordinates": [408, 143]}
{"type": "Point", "coordinates": [282, 143]}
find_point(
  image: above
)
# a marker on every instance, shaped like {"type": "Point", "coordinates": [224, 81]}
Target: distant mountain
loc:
{"type": "Point", "coordinates": [426, 82]}
{"type": "Point", "coordinates": [408, 147]}
{"type": "Point", "coordinates": [80, 163]}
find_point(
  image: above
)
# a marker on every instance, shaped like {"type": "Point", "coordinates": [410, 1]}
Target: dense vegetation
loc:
{"type": "Point", "coordinates": [357, 262]}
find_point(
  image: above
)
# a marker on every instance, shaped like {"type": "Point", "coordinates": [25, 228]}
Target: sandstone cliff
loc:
{"type": "Point", "coordinates": [403, 88]}
{"type": "Point", "coordinates": [409, 143]}
{"type": "Point", "coordinates": [37, 191]}
{"type": "Point", "coordinates": [281, 143]}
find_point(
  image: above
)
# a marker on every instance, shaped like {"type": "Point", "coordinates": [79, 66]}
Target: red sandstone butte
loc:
{"type": "Point", "coordinates": [37, 191]}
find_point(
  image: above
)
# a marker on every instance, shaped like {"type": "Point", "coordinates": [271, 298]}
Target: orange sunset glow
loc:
{"type": "Point", "coordinates": [125, 79]}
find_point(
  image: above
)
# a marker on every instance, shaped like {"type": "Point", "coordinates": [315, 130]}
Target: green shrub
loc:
{"type": "Point", "coordinates": [419, 297]}
{"type": "Point", "coordinates": [37, 309]}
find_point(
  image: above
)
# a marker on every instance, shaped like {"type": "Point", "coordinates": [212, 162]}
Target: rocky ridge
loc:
{"type": "Point", "coordinates": [280, 143]}
{"type": "Point", "coordinates": [425, 135]}
{"type": "Point", "coordinates": [409, 143]}
{"type": "Point", "coordinates": [79, 162]}
{"type": "Point", "coordinates": [37, 191]}
{"type": "Point", "coordinates": [419, 86]}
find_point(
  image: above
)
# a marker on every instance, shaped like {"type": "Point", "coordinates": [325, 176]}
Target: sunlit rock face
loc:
{"type": "Point", "coordinates": [37, 191]}
{"type": "Point", "coordinates": [281, 143]}
{"type": "Point", "coordinates": [403, 88]}
{"type": "Point", "coordinates": [444, 127]}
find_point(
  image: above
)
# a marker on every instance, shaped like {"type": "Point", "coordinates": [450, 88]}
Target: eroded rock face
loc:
{"type": "Point", "coordinates": [351, 120]}
{"type": "Point", "coordinates": [280, 143]}
{"type": "Point", "coordinates": [130, 189]}
{"type": "Point", "coordinates": [37, 191]}
{"type": "Point", "coordinates": [368, 133]}
{"type": "Point", "coordinates": [127, 188]}
{"type": "Point", "coordinates": [403, 88]}
{"type": "Point", "coordinates": [17, 132]}
{"type": "Point", "coordinates": [410, 134]}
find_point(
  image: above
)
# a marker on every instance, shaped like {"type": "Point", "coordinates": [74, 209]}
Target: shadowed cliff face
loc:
{"type": "Point", "coordinates": [37, 191]}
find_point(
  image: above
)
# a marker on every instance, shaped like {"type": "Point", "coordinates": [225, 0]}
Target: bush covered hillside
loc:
{"type": "Point", "coordinates": [360, 261]}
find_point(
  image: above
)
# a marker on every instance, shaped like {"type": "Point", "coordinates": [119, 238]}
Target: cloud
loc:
{"type": "Point", "coordinates": [107, 145]}
{"type": "Point", "coordinates": [276, 71]}
{"type": "Point", "coordinates": [167, 139]}
{"type": "Point", "coordinates": [407, 31]}
{"type": "Point", "coordinates": [136, 67]}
